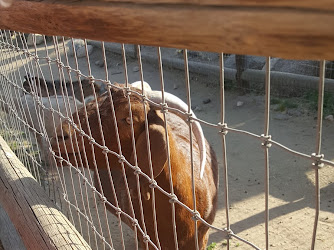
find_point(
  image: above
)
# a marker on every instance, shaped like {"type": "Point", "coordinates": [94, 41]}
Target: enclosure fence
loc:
{"type": "Point", "coordinates": [50, 97]}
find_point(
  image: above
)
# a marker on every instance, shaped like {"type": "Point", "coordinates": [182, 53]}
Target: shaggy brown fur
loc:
{"type": "Point", "coordinates": [178, 133]}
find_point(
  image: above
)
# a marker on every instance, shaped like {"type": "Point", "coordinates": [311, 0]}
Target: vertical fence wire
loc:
{"type": "Point", "coordinates": [58, 108]}
{"type": "Point", "coordinates": [118, 141]}
{"type": "Point", "coordinates": [95, 202]}
{"type": "Point", "coordinates": [163, 103]}
{"type": "Point", "coordinates": [266, 144]}
{"type": "Point", "coordinates": [37, 89]}
{"type": "Point", "coordinates": [15, 106]}
{"type": "Point", "coordinates": [223, 140]}
{"type": "Point", "coordinates": [91, 145]}
{"type": "Point", "coordinates": [76, 165]}
{"type": "Point", "coordinates": [101, 133]}
{"type": "Point", "coordinates": [106, 156]}
{"type": "Point", "coordinates": [86, 212]}
{"type": "Point", "coordinates": [28, 73]}
{"type": "Point", "coordinates": [48, 157]}
{"type": "Point", "coordinates": [134, 153]}
{"type": "Point", "coordinates": [187, 82]}
{"type": "Point", "coordinates": [125, 67]}
{"type": "Point", "coordinates": [61, 107]}
{"type": "Point", "coordinates": [149, 154]}
{"type": "Point", "coordinates": [68, 112]}
{"type": "Point", "coordinates": [317, 154]}
{"type": "Point", "coordinates": [54, 117]}
{"type": "Point", "coordinates": [23, 112]}
{"type": "Point", "coordinates": [78, 76]}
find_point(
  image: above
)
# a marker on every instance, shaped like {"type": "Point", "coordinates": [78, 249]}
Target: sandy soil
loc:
{"type": "Point", "coordinates": [292, 191]}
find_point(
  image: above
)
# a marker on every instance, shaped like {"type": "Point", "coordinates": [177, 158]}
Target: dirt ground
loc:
{"type": "Point", "coordinates": [292, 189]}
{"type": "Point", "coordinates": [292, 192]}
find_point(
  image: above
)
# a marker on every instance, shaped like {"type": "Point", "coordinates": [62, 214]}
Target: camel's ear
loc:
{"type": "Point", "coordinates": [158, 146]}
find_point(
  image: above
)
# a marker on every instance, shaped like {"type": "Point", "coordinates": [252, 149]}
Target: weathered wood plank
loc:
{"type": "Point", "coordinates": [293, 33]}
{"type": "Point", "coordinates": [37, 221]}
{"type": "Point", "coordinates": [8, 234]}
{"type": "Point", "coordinates": [305, 4]}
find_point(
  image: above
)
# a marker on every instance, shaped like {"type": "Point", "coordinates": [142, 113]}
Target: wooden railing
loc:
{"type": "Point", "coordinates": [287, 29]}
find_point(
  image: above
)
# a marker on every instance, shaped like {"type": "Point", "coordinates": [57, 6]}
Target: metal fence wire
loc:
{"type": "Point", "coordinates": [78, 135]}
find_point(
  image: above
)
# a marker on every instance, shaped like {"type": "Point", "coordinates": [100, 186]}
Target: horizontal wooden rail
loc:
{"type": "Point", "coordinates": [39, 224]}
{"type": "Point", "coordinates": [291, 29]}
{"type": "Point", "coordinates": [305, 4]}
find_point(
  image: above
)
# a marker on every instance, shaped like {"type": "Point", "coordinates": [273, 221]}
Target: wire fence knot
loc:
{"type": "Point", "coordinates": [173, 198]}
{"type": "Point", "coordinates": [68, 120]}
{"type": "Point", "coordinates": [77, 172]}
{"type": "Point", "coordinates": [189, 117]}
{"type": "Point", "coordinates": [317, 164]}
{"type": "Point", "coordinates": [38, 101]}
{"type": "Point", "coordinates": [118, 211]}
{"type": "Point", "coordinates": [143, 98]}
{"type": "Point", "coordinates": [81, 132]}
{"type": "Point", "coordinates": [228, 232]}
{"type": "Point", "coordinates": [65, 196]}
{"type": "Point", "coordinates": [196, 216]}
{"type": "Point", "coordinates": [91, 141]}
{"type": "Point", "coordinates": [108, 84]}
{"type": "Point", "coordinates": [164, 107]}
{"type": "Point", "coordinates": [78, 72]}
{"type": "Point", "coordinates": [91, 79]}
{"type": "Point", "coordinates": [137, 171]}
{"type": "Point", "coordinates": [146, 238]}
{"type": "Point", "coordinates": [60, 64]}
{"type": "Point", "coordinates": [121, 159]}
{"type": "Point", "coordinates": [266, 141]}
{"type": "Point", "coordinates": [68, 68]}
{"type": "Point", "coordinates": [153, 183]}
{"type": "Point", "coordinates": [223, 128]}
{"type": "Point", "coordinates": [135, 223]}
{"type": "Point", "coordinates": [104, 199]}
{"type": "Point", "coordinates": [105, 150]}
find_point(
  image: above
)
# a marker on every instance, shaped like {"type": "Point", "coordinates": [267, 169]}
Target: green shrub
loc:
{"type": "Point", "coordinates": [311, 98]}
{"type": "Point", "coordinates": [212, 246]}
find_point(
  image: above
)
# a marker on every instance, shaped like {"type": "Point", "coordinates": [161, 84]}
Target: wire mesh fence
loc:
{"type": "Point", "coordinates": [86, 140]}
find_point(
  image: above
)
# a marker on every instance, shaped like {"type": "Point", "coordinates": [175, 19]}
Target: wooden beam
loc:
{"type": "Point", "coordinates": [293, 33]}
{"type": "Point", "coordinates": [39, 224]}
{"type": "Point", "coordinates": [9, 237]}
{"type": "Point", "coordinates": [305, 4]}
